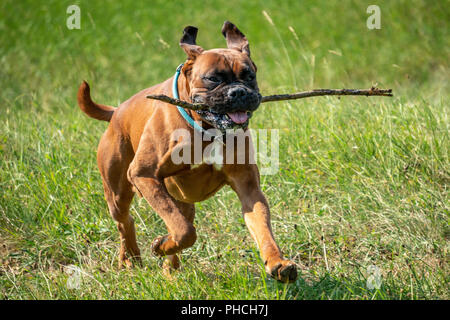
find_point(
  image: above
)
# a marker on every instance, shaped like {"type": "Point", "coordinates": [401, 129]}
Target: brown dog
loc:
{"type": "Point", "coordinates": [135, 152]}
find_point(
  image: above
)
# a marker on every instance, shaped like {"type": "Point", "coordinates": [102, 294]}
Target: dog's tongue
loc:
{"type": "Point", "coordinates": [238, 117]}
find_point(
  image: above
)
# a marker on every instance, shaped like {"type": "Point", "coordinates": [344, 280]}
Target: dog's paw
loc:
{"type": "Point", "coordinates": [170, 265]}
{"type": "Point", "coordinates": [284, 271]}
{"type": "Point", "coordinates": [156, 245]}
{"type": "Point", "coordinates": [171, 262]}
{"type": "Point", "coordinates": [125, 262]}
{"type": "Point", "coordinates": [130, 263]}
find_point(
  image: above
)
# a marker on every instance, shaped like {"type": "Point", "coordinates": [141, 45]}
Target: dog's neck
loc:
{"type": "Point", "coordinates": [184, 94]}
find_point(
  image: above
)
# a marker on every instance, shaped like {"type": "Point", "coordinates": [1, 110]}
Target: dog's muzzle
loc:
{"type": "Point", "coordinates": [231, 106]}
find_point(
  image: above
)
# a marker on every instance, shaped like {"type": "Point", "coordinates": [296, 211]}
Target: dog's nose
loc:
{"type": "Point", "coordinates": [238, 92]}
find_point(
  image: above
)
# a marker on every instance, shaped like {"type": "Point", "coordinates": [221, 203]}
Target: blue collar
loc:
{"type": "Point", "coordinates": [185, 115]}
{"type": "Point", "coordinates": [183, 112]}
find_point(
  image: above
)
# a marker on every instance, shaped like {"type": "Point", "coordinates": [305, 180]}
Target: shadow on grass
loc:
{"type": "Point", "coordinates": [329, 288]}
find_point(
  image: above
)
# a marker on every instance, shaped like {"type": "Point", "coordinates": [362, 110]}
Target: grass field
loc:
{"type": "Point", "coordinates": [362, 181]}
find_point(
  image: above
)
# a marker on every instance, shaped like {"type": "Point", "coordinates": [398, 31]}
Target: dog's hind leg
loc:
{"type": "Point", "coordinates": [113, 158]}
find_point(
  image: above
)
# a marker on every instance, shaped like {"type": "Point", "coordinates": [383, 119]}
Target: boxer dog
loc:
{"type": "Point", "coordinates": [135, 153]}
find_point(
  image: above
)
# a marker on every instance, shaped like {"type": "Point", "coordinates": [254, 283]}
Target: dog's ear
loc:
{"type": "Point", "coordinates": [188, 44]}
{"type": "Point", "coordinates": [235, 38]}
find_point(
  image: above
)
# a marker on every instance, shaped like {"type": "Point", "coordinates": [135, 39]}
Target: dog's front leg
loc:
{"type": "Point", "coordinates": [244, 180]}
{"type": "Point", "coordinates": [182, 232]}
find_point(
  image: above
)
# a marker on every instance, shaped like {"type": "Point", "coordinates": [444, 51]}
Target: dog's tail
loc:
{"type": "Point", "coordinates": [92, 109]}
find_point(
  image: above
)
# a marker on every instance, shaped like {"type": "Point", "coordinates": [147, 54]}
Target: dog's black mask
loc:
{"type": "Point", "coordinates": [231, 105]}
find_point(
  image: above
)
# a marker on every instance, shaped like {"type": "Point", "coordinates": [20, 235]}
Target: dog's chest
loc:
{"type": "Point", "coordinates": [197, 184]}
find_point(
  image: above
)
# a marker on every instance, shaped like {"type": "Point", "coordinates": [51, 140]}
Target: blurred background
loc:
{"type": "Point", "coordinates": [362, 182]}
{"type": "Point", "coordinates": [124, 46]}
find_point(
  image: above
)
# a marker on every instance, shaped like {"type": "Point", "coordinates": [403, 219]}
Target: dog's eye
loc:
{"type": "Point", "coordinates": [250, 77]}
{"type": "Point", "coordinates": [213, 79]}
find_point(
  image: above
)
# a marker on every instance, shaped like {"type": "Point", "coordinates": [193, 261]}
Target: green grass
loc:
{"type": "Point", "coordinates": [362, 181]}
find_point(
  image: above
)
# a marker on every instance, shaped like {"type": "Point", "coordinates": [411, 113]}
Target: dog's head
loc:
{"type": "Point", "coordinates": [223, 79]}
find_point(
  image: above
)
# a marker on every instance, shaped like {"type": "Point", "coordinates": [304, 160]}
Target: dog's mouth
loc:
{"type": "Point", "coordinates": [239, 117]}
{"type": "Point", "coordinates": [229, 120]}
{"type": "Point", "coordinates": [231, 106]}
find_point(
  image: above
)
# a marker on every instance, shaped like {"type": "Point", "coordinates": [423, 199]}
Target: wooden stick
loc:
{"type": "Point", "coordinates": [178, 102]}
{"type": "Point", "coordinates": [329, 92]}
{"type": "Point", "coordinates": [280, 97]}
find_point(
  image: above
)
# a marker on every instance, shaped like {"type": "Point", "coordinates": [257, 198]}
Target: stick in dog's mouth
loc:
{"type": "Point", "coordinates": [280, 97]}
